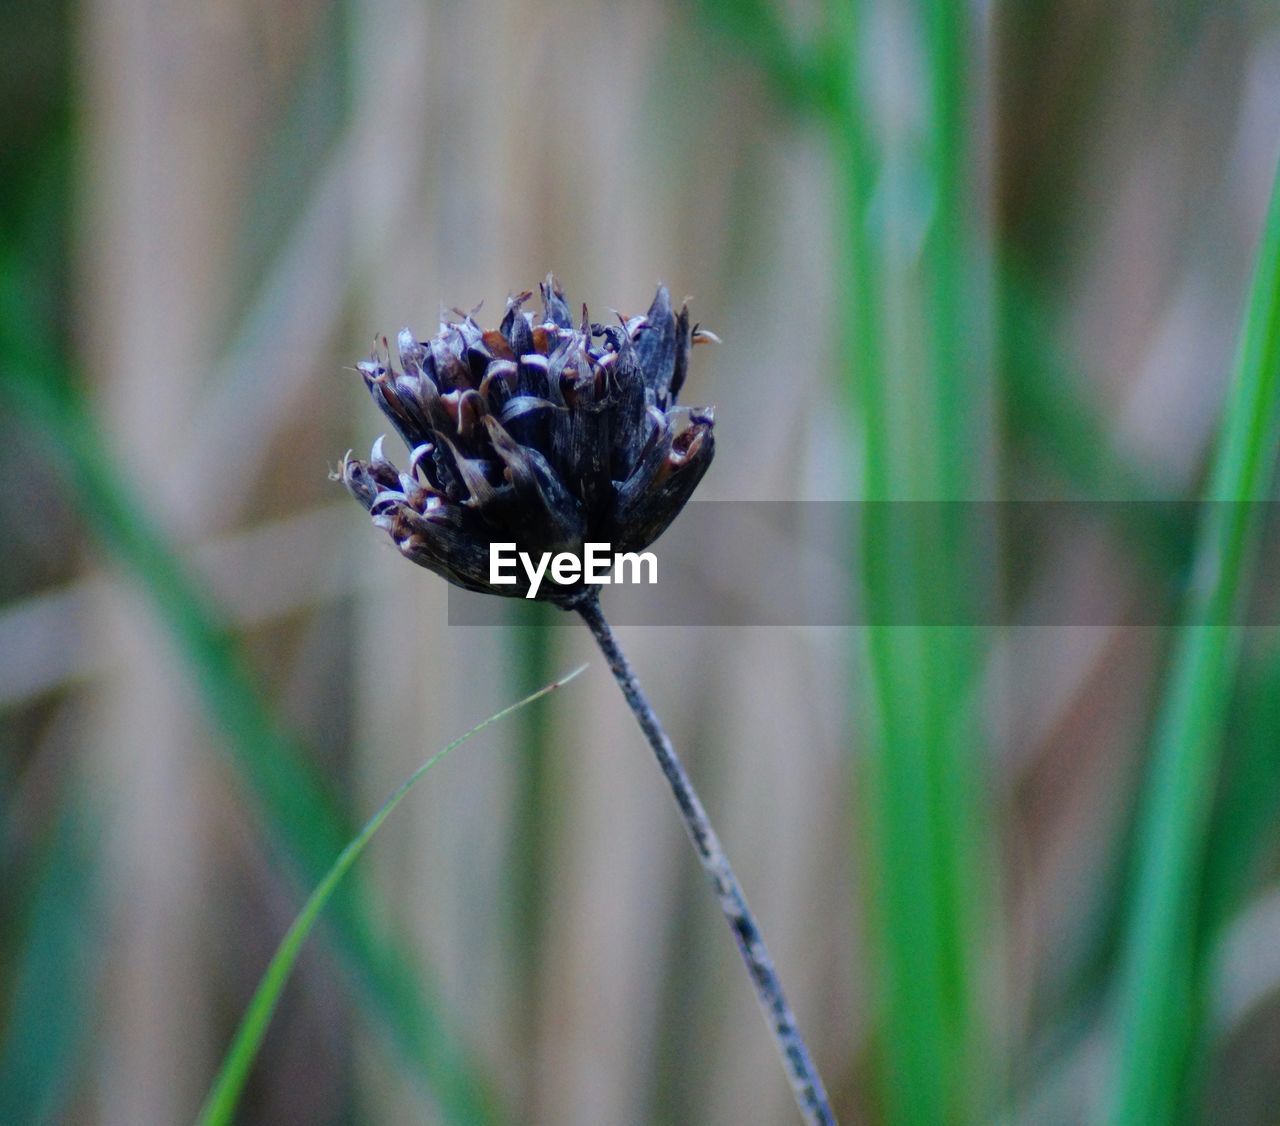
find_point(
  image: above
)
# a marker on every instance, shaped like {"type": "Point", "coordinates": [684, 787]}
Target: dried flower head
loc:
{"type": "Point", "coordinates": [540, 433]}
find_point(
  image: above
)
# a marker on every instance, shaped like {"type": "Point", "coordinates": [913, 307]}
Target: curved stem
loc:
{"type": "Point", "coordinates": [806, 1084]}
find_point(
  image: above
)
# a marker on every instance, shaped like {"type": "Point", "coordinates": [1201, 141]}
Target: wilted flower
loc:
{"type": "Point", "coordinates": [539, 434]}
{"type": "Point", "coordinates": [549, 437]}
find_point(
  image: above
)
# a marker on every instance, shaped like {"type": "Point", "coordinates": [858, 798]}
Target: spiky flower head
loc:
{"type": "Point", "coordinates": [538, 433]}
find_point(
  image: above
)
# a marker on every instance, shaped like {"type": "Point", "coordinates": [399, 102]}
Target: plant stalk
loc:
{"type": "Point", "coordinates": [806, 1083]}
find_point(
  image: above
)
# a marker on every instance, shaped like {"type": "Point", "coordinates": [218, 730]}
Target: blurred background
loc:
{"type": "Point", "coordinates": [955, 252]}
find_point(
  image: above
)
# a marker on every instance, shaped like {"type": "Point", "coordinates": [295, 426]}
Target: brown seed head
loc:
{"type": "Point", "coordinates": [540, 432]}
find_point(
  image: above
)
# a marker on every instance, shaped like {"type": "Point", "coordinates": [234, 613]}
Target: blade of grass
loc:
{"type": "Point", "coordinates": [1158, 1020]}
{"type": "Point", "coordinates": [904, 929]}
{"type": "Point", "coordinates": [301, 814]}
{"type": "Point", "coordinates": [1047, 407]}
{"type": "Point", "coordinates": [225, 1093]}
{"type": "Point", "coordinates": [1248, 809]}
{"type": "Point", "coordinates": [795, 70]}
{"type": "Point", "coordinates": [533, 822]}
{"type": "Point", "coordinates": [916, 376]}
{"type": "Point", "coordinates": [299, 810]}
{"type": "Point", "coordinates": [1243, 833]}
{"type": "Point", "coordinates": [51, 992]}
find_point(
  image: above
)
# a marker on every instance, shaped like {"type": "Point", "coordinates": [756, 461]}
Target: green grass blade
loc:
{"type": "Point", "coordinates": [299, 810]}
{"type": "Point", "coordinates": [1047, 408]}
{"type": "Point", "coordinates": [1247, 815]}
{"type": "Point", "coordinates": [918, 380]}
{"type": "Point", "coordinates": [1158, 1019]}
{"type": "Point", "coordinates": [533, 820]}
{"type": "Point", "coordinates": [225, 1093]}
{"type": "Point", "coordinates": [796, 71]}
{"type": "Point", "coordinates": [902, 928]}
{"type": "Point", "coordinates": [50, 999]}
{"type": "Point", "coordinates": [302, 817]}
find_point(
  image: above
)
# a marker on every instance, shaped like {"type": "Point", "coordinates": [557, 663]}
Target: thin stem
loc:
{"type": "Point", "coordinates": [806, 1084]}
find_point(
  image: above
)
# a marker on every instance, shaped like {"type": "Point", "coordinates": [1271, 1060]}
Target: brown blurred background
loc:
{"type": "Point", "coordinates": [216, 206]}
